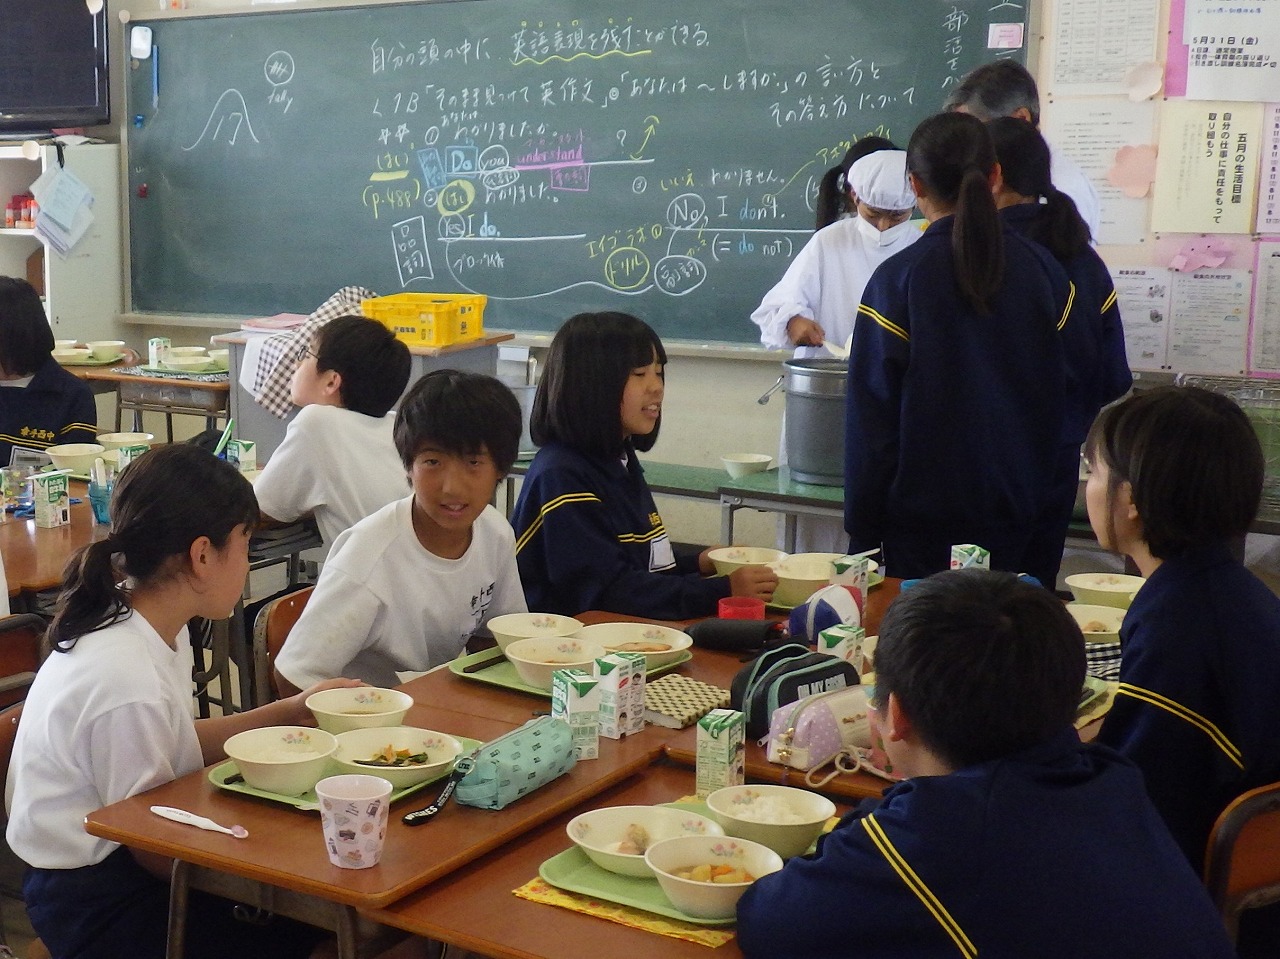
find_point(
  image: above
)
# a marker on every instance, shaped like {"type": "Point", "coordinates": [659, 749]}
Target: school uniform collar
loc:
{"type": "Point", "coordinates": [1020, 215]}
{"type": "Point", "coordinates": [1195, 560]}
{"type": "Point", "coordinates": [46, 378]}
{"type": "Point", "coordinates": [941, 226]}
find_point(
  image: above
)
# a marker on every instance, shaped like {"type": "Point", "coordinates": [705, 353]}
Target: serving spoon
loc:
{"type": "Point", "coordinates": [191, 819]}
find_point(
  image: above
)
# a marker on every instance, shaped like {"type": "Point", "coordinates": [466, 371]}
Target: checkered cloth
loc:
{"type": "Point", "coordinates": [1103, 660]}
{"type": "Point", "coordinates": [279, 356]}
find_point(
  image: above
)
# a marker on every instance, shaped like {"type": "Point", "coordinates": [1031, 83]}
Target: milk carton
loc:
{"type": "Point", "coordinates": [52, 495]}
{"type": "Point", "coordinates": [843, 642]}
{"type": "Point", "coordinates": [243, 454]}
{"type": "Point", "coordinates": [721, 750]}
{"type": "Point", "coordinates": [575, 698]}
{"type": "Point", "coordinates": [969, 556]}
{"type": "Point", "coordinates": [158, 350]}
{"type": "Point", "coordinates": [853, 572]}
{"type": "Point", "coordinates": [621, 677]}
{"type": "Point", "coordinates": [128, 454]}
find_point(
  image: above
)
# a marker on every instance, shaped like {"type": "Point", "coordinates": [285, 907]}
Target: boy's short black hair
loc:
{"type": "Point", "coordinates": [996, 89]}
{"type": "Point", "coordinates": [373, 364]}
{"type": "Point", "coordinates": [1192, 459]}
{"type": "Point", "coordinates": [26, 339]}
{"type": "Point", "coordinates": [461, 413]}
{"type": "Point", "coordinates": [983, 665]}
{"type": "Point", "coordinates": [579, 398]}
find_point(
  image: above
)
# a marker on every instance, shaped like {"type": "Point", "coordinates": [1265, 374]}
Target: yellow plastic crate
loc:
{"type": "Point", "coordinates": [430, 319]}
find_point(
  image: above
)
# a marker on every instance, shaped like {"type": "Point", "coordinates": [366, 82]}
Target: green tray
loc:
{"type": "Point", "coordinates": [90, 361]}
{"type": "Point", "coordinates": [572, 871]}
{"type": "Point", "coordinates": [221, 776]}
{"type": "Point", "coordinates": [210, 367]}
{"type": "Point", "coordinates": [504, 673]}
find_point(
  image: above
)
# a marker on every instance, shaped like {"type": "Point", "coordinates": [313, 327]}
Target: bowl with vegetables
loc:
{"type": "Point", "coordinates": [616, 837]}
{"type": "Point", "coordinates": [402, 755]}
{"type": "Point", "coordinates": [705, 876]}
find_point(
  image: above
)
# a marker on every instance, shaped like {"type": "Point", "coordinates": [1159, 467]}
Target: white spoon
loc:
{"type": "Point", "coordinates": [839, 352]}
{"type": "Point", "coordinates": [191, 819]}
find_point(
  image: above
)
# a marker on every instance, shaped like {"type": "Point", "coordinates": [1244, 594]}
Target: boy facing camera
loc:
{"type": "Point", "coordinates": [1009, 836]}
{"type": "Point", "coordinates": [405, 588]}
{"type": "Point", "coordinates": [338, 461]}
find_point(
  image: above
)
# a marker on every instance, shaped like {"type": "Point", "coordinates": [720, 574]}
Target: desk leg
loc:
{"type": "Point", "coordinates": [789, 532]}
{"type": "Point", "coordinates": [178, 887]}
{"type": "Point", "coordinates": [727, 505]}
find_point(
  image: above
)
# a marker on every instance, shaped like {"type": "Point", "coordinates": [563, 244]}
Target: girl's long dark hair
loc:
{"type": "Point", "coordinates": [1025, 164]}
{"type": "Point", "coordinates": [163, 501]}
{"type": "Point", "coordinates": [833, 195]}
{"type": "Point", "coordinates": [952, 155]}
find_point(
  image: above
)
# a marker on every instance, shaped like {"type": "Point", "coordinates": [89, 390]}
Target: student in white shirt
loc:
{"type": "Point", "coordinates": [404, 588]}
{"type": "Point", "coordinates": [338, 461]}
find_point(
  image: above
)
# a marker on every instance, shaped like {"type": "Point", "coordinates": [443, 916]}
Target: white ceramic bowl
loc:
{"type": "Point", "coordinates": [640, 638]}
{"type": "Point", "coordinates": [507, 629]}
{"type": "Point", "coordinates": [188, 351]}
{"type": "Point", "coordinates": [282, 759]}
{"type": "Point", "coordinates": [364, 744]}
{"type": "Point", "coordinates": [738, 809]}
{"type": "Point", "coordinates": [537, 658]}
{"type": "Point", "coordinates": [739, 465]}
{"type": "Point", "coordinates": [708, 900]}
{"type": "Point", "coordinates": [72, 354]}
{"type": "Point", "coordinates": [77, 457]}
{"type": "Point", "coordinates": [219, 356]}
{"type": "Point", "coordinates": [105, 349]}
{"type": "Point", "coordinates": [800, 575]}
{"type": "Point", "coordinates": [65, 344]}
{"type": "Point", "coordinates": [113, 441]}
{"type": "Point", "coordinates": [187, 362]}
{"type": "Point", "coordinates": [1104, 589]}
{"type": "Point", "coordinates": [729, 558]}
{"type": "Point", "coordinates": [358, 707]}
{"type": "Point", "coordinates": [1100, 624]}
{"type": "Point", "coordinates": [599, 831]}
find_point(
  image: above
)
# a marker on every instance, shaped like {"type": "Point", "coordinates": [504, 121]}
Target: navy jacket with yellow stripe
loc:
{"type": "Point", "coordinates": [1054, 852]}
{"type": "Point", "coordinates": [588, 536]}
{"type": "Point", "coordinates": [1198, 708]}
{"type": "Point", "coordinates": [54, 408]}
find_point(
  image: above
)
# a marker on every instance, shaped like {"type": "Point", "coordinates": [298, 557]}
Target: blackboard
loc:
{"type": "Point", "coordinates": [655, 156]}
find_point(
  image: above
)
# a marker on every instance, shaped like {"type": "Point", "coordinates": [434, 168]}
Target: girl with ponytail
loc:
{"type": "Point", "coordinates": [957, 389]}
{"type": "Point", "coordinates": [109, 713]}
{"type": "Point", "coordinates": [1031, 205]}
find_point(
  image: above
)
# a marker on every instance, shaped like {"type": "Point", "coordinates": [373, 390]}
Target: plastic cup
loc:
{"type": "Point", "coordinates": [741, 607]}
{"type": "Point", "coordinates": [100, 501]}
{"type": "Point", "coordinates": [353, 814]}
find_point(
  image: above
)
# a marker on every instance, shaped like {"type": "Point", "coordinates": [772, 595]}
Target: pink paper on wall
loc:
{"type": "Point", "coordinates": [1134, 170]}
{"type": "Point", "coordinates": [1176, 56]}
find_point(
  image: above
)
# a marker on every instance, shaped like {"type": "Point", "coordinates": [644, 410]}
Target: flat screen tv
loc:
{"type": "Point", "coordinates": [53, 66]}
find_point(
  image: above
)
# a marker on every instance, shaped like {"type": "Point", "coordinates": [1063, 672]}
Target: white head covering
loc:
{"type": "Point", "coordinates": [880, 180]}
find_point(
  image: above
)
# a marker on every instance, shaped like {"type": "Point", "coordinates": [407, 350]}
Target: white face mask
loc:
{"type": "Point", "coordinates": [882, 238]}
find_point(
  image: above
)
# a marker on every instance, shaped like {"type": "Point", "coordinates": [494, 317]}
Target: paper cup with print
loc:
{"type": "Point", "coordinates": [353, 813]}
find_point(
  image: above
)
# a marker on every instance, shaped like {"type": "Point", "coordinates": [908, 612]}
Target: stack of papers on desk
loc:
{"type": "Point", "coordinates": [65, 208]}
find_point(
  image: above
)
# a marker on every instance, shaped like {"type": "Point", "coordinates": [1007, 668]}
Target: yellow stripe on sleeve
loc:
{"type": "Point", "coordinates": [91, 427]}
{"type": "Point", "coordinates": [1109, 302]}
{"type": "Point", "coordinates": [1071, 298]}
{"type": "Point", "coordinates": [883, 322]}
{"type": "Point", "coordinates": [554, 504]}
{"type": "Point", "coordinates": [917, 886]}
{"type": "Point", "coordinates": [1175, 708]}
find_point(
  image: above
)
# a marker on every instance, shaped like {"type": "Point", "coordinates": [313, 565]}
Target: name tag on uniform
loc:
{"type": "Point", "coordinates": [661, 555]}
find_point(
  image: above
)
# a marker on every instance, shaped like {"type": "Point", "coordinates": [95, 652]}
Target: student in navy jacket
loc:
{"type": "Point", "coordinates": [957, 385]}
{"type": "Point", "coordinates": [1176, 476]}
{"type": "Point", "coordinates": [1094, 340]}
{"type": "Point", "coordinates": [41, 404]}
{"type": "Point", "coordinates": [1009, 837]}
{"type": "Point", "coordinates": [588, 535]}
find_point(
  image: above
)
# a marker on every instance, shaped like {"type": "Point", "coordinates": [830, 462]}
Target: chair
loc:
{"type": "Point", "coordinates": [1242, 866]}
{"type": "Point", "coordinates": [270, 629]}
{"type": "Point", "coordinates": [11, 867]}
{"type": "Point", "coordinates": [21, 653]}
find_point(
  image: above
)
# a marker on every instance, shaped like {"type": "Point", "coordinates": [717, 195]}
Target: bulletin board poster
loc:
{"type": "Point", "coordinates": [1269, 178]}
{"type": "Point", "coordinates": [1233, 49]}
{"type": "Point", "coordinates": [1264, 324]}
{"type": "Point", "coordinates": [1207, 170]}
{"type": "Point", "coordinates": [1143, 294]}
{"type": "Point", "coordinates": [1209, 325]}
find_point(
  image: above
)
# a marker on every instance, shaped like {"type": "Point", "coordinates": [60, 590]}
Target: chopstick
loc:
{"type": "Point", "coordinates": [483, 664]}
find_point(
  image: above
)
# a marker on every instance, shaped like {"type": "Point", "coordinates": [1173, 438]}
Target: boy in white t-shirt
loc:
{"type": "Point", "coordinates": [404, 588]}
{"type": "Point", "coordinates": [338, 461]}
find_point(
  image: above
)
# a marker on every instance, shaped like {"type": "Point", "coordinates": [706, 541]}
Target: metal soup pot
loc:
{"type": "Point", "coordinates": [814, 425]}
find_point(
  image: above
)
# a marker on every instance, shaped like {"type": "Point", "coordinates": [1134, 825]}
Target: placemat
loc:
{"type": "Point", "coordinates": [503, 672]}
{"type": "Point", "coordinates": [172, 375]}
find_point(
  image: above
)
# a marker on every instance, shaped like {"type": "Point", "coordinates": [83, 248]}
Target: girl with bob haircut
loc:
{"type": "Point", "coordinates": [1175, 480]}
{"type": "Point", "coordinates": [588, 534]}
{"type": "Point", "coordinates": [109, 714]}
{"type": "Point", "coordinates": [1031, 205]}
{"type": "Point", "coordinates": [956, 398]}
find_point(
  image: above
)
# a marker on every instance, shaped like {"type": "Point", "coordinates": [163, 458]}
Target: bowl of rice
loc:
{"type": "Point", "coordinates": [287, 760]}
{"type": "Point", "coordinates": [784, 818]}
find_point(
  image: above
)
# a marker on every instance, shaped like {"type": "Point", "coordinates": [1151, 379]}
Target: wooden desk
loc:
{"type": "Point", "coordinates": [169, 395]}
{"type": "Point", "coordinates": [34, 558]}
{"type": "Point", "coordinates": [773, 491]}
{"type": "Point", "coordinates": [475, 909]}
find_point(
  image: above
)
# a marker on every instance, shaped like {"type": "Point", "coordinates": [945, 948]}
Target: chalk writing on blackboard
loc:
{"type": "Point", "coordinates": [228, 115]}
{"type": "Point", "coordinates": [278, 70]}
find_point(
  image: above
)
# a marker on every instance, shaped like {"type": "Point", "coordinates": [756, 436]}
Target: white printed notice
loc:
{"type": "Point", "coordinates": [1264, 325]}
{"type": "Point", "coordinates": [1269, 178]}
{"type": "Point", "coordinates": [1143, 294]}
{"type": "Point", "coordinates": [1233, 49]}
{"type": "Point", "coordinates": [1097, 42]}
{"type": "Point", "coordinates": [1209, 313]}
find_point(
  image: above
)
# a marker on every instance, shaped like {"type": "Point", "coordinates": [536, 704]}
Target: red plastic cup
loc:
{"type": "Point", "coordinates": [741, 607]}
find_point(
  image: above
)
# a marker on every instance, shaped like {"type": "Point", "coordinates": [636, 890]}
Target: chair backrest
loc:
{"type": "Point", "coordinates": [270, 629]}
{"type": "Point", "coordinates": [9, 717]}
{"type": "Point", "coordinates": [1242, 864]}
{"type": "Point", "coordinates": [21, 652]}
